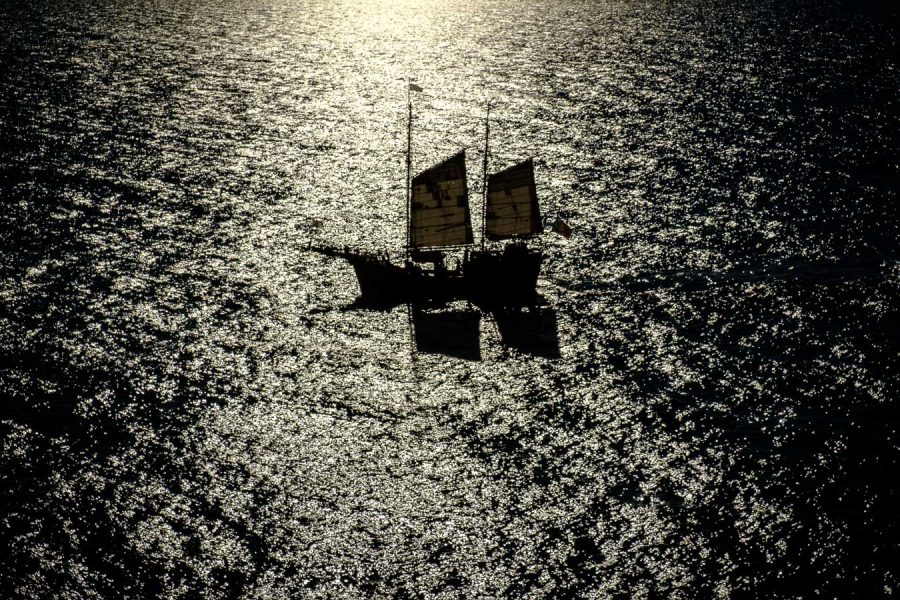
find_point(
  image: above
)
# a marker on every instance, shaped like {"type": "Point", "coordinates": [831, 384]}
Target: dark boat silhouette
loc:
{"type": "Point", "coordinates": [438, 222]}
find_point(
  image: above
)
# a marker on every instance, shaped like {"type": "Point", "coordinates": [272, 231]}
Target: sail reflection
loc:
{"type": "Point", "coordinates": [451, 332]}
{"type": "Point", "coordinates": [455, 332]}
{"type": "Point", "coordinates": [530, 330]}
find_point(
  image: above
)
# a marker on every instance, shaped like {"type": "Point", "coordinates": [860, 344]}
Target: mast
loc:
{"type": "Point", "coordinates": [487, 130]}
{"type": "Point", "coordinates": [437, 201]}
{"type": "Point", "coordinates": [408, 164]}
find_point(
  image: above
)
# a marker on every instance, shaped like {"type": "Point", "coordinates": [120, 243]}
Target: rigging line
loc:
{"type": "Point", "coordinates": [517, 115]}
{"type": "Point", "coordinates": [510, 103]}
{"type": "Point", "coordinates": [474, 128]}
{"type": "Point", "coordinates": [472, 100]}
{"type": "Point", "coordinates": [445, 132]}
{"type": "Point", "coordinates": [460, 98]}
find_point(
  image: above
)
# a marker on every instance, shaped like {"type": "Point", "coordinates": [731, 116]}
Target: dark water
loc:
{"type": "Point", "coordinates": [706, 408]}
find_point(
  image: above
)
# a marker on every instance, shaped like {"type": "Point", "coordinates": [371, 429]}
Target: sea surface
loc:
{"type": "Point", "coordinates": [192, 406]}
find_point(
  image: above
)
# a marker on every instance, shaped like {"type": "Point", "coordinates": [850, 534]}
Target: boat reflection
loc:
{"type": "Point", "coordinates": [451, 332]}
{"type": "Point", "coordinates": [455, 331]}
{"type": "Point", "coordinates": [531, 330]}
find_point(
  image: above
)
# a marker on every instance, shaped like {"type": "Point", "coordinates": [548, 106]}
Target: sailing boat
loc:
{"type": "Point", "coordinates": [438, 220]}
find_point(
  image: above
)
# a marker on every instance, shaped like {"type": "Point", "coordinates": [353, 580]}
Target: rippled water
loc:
{"type": "Point", "coordinates": [190, 406]}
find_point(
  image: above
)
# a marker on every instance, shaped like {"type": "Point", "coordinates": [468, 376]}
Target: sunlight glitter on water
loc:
{"type": "Point", "coordinates": [194, 408]}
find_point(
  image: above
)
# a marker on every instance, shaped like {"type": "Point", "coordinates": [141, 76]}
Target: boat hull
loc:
{"type": "Point", "coordinates": [384, 283]}
{"type": "Point", "coordinates": [503, 278]}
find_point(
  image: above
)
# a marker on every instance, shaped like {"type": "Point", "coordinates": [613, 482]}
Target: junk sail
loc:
{"type": "Point", "coordinates": [511, 207]}
{"type": "Point", "coordinates": [439, 214]}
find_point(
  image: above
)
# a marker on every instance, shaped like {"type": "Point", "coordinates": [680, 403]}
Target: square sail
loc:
{"type": "Point", "coordinates": [511, 208]}
{"type": "Point", "coordinates": [439, 211]}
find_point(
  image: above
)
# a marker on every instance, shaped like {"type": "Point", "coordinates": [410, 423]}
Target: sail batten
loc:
{"type": "Point", "coordinates": [511, 207]}
{"type": "Point", "coordinates": [439, 208]}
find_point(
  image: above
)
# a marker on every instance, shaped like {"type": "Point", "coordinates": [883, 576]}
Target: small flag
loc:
{"type": "Point", "coordinates": [562, 228]}
{"type": "Point", "coordinates": [414, 88]}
